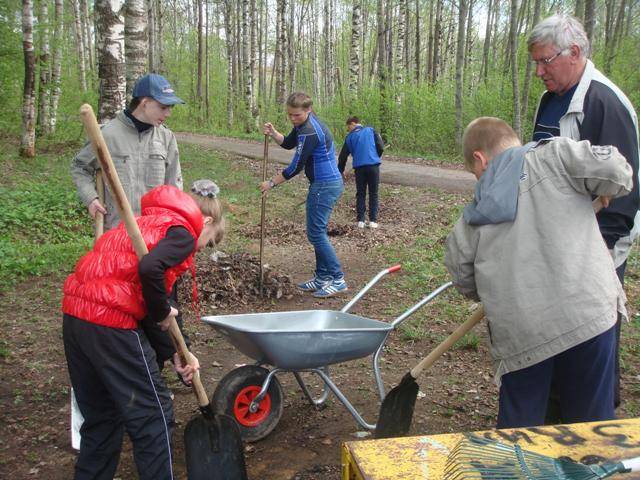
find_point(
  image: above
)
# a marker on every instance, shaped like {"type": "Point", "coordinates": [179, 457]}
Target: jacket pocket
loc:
{"type": "Point", "coordinates": [155, 168]}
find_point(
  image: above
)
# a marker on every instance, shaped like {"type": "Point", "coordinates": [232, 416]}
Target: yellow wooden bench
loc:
{"type": "Point", "coordinates": [424, 457]}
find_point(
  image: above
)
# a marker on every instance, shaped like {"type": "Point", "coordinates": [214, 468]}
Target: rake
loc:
{"type": "Point", "coordinates": [479, 458]}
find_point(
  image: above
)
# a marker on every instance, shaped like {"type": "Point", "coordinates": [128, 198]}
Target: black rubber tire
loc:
{"type": "Point", "coordinates": [233, 383]}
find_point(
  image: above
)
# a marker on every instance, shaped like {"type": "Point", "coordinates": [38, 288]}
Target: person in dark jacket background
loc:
{"type": "Point", "coordinates": [582, 104]}
{"type": "Point", "coordinates": [111, 361]}
{"type": "Point", "coordinates": [365, 146]}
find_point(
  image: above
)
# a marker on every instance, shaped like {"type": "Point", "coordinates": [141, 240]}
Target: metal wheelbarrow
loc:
{"type": "Point", "coordinates": [299, 341]}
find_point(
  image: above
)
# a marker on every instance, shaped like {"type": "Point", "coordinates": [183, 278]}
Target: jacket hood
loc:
{"type": "Point", "coordinates": [496, 196]}
{"type": "Point", "coordinates": [171, 198]}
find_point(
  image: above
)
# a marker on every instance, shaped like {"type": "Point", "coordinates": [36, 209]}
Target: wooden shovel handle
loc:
{"type": "Point", "coordinates": [457, 334]}
{"type": "Point", "coordinates": [126, 214]}
{"type": "Point", "coordinates": [99, 215]}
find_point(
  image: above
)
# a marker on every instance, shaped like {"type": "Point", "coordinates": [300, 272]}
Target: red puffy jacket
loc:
{"type": "Point", "coordinates": [105, 288]}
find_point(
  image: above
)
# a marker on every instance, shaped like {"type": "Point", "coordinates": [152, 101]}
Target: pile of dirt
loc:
{"type": "Point", "coordinates": [225, 281]}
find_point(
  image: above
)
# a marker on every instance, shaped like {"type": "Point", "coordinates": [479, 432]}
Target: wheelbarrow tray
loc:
{"type": "Point", "coordinates": [302, 339]}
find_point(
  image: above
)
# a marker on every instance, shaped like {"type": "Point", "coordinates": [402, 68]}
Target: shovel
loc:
{"type": "Point", "coordinates": [213, 444]}
{"type": "Point", "coordinates": [396, 411]}
{"type": "Point", "coordinates": [265, 158]}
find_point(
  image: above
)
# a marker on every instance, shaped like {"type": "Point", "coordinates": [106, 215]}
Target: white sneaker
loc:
{"type": "Point", "coordinates": [360, 224]}
{"type": "Point", "coordinates": [373, 225]}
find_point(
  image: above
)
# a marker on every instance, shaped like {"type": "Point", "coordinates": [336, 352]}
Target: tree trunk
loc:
{"type": "Point", "coordinates": [151, 33]}
{"type": "Point", "coordinates": [136, 43]}
{"type": "Point", "coordinates": [590, 18]}
{"type": "Point", "coordinates": [110, 53]}
{"type": "Point", "coordinates": [400, 64]}
{"type": "Point", "coordinates": [437, 39]}
{"type": "Point", "coordinates": [429, 43]}
{"type": "Point", "coordinates": [158, 25]}
{"type": "Point", "coordinates": [79, 45]}
{"type": "Point", "coordinates": [460, 51]}
{"type": "Point", "coordinates": [329, 72]}
{"type": "Point", "coordinates": [580, 10]}
{"type": "Point", "coordinates": [228, 34]}
{"type": "Point", "coordinates": [28, 138]}
{"type": "Point", "coordinates": [281, 42]}
{"type": "Point", "coordinates": [57, 64]}
{"type": "Point", "coordinates": [291, 49]}
{"type": "Point", "coordinates": [86, 21]}
{"type": "Point", "coordinates": [200, 59]}
{"type": "Point", "coordinates": [513, 42]}
{"type": "Point", "coordinates": [45, 70]}
{"type": "Point", "coordinates": [206, 59]}
{"type": "Point", "coordinates": [527, 74]}
{"type": "Point", "coordinates": [253, 57]}
{"type": "Point", "coordinates": [354, 53]}
{"type": "Point", "coordinates": [417, 52]}
{"type": "Point", "coordinates": [484, 67]}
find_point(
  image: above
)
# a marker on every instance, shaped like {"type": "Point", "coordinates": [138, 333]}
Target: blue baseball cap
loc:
{"type": "Point", "coordinates": [156, 87]}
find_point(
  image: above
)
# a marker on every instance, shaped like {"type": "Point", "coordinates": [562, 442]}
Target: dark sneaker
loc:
{"type": "Point", "coordinates": [331, 289]}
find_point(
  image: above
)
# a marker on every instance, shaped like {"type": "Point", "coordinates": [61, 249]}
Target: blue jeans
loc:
{"type": "Point", "coordinates": [321, 199]}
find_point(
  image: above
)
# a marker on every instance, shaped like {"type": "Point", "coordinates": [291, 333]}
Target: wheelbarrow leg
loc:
{"type": "Point", "coordinates": [255, 403]}
{"type": "Point", "coordinates": [319, 402]}
{"type": "Point", "coordinates": [336, 391]}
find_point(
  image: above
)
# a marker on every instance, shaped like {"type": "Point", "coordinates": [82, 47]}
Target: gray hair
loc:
{"type": "Point", "coordinates": [561, 30]}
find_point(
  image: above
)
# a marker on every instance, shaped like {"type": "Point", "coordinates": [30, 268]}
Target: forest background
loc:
{"type": "Point", "coordinates": [417, 70]}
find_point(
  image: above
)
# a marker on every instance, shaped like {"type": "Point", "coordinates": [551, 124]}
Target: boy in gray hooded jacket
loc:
{"type": "Point", "coordinates": [528, 246]}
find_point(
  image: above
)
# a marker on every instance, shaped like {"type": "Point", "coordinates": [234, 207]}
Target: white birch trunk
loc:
{"type": "Point", "coordinates": [136, 43]}
{"type": "Point", "coordinates": [86, 20]}
{"type": "Point", "coordinates": [460, 51]}
{"type": "Point", "coordinates": [79, 45]}
{"type": "Point", "coordinates": [45, 70]}
{"type": "Point", "coordinates": [28, 138]}
{"type": "Point", "coordinates": [57, 64]}
{"type": "Point", "coordinates": [110, 57]}
{"type": "Point", "coordinates": [354, 53]}
{"type": "Point", "coordinates": [281, 42]}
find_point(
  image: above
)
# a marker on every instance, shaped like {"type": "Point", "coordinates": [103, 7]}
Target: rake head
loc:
{"type": "Point", "coordinates": [480, 458]}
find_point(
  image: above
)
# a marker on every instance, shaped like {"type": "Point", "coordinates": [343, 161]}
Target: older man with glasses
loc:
{"type": "Point", "coordinates": [582, 104]}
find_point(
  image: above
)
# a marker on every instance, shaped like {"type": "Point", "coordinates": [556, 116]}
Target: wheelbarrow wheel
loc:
{"type": "Point", "coordinates": [234, 394]}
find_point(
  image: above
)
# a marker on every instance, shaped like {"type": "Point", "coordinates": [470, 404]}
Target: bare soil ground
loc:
{"type": "Point", "coordinates": [458, 393]}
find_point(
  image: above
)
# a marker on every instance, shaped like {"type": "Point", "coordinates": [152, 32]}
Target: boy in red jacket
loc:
{"type": "Point", "coordinates": [111, 362]}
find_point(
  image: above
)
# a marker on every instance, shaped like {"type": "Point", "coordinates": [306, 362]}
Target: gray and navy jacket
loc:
{"type": "Point", "coordinates": [601, 113]}
{"type": "Point", "coordinates": [364, 144]}
{"type": "Point", "coordinates": [315, 152]}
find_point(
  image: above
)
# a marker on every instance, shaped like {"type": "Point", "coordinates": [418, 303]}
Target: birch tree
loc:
{"type": "Point", "coordinates": [354, 51]}
{"type": "Point", "coordinates": [513, 45]}
{"type": "Point", "coordinates": [44, 67]}
{"type": "Point", "coordinates": [460, 51]}
{"type": "Point", "coordinates": [57, 64]}
{"type": "Point", "coordinates": [110, 57]}
{"type": "Point", "coordinates": [136, 41]}
{"type": "Point", "coordinates": [28, 139]}
{"type": "Point", "coordinates": [86, 21]}
{"type": "Point", "coordinates": [227, 13]}
{"type": "Point", "coordinates": [281, 42]}
{"type": "Point", "coordinates": [77, 22]}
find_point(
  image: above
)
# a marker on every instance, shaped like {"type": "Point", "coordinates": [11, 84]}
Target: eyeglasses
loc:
{"type": "Point", "coordinates": [547, 61]}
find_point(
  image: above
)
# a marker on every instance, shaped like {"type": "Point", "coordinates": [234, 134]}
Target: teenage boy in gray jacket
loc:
{"type": "Point", "coordinates": [144, 150]}
{"type": "Point", "coordinates": [529, 247]}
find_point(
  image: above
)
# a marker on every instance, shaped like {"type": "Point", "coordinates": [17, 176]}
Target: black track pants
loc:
{"type": "Point", "coordinates": [118, 388]}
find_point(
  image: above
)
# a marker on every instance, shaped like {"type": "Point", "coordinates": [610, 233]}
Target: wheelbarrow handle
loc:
{"type": "Point", "coordinates": [366, 288]}
{"type": "Point", "coordinates": [420, 304]}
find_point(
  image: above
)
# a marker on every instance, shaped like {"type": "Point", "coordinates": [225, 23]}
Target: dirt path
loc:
{"type": "Point", "coordinates": [392, 172]}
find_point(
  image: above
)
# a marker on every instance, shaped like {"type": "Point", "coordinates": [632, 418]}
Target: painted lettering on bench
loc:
{"type": "Point", "coordinates": [612, 431]}
{"type": "Point", "coordinates": [560, 434]}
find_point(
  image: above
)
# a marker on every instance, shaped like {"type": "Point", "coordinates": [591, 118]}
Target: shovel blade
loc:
{"type": "Point", "coordinates": [214, 449]}
{"type": "Point", "coordinates": [396, 411]}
